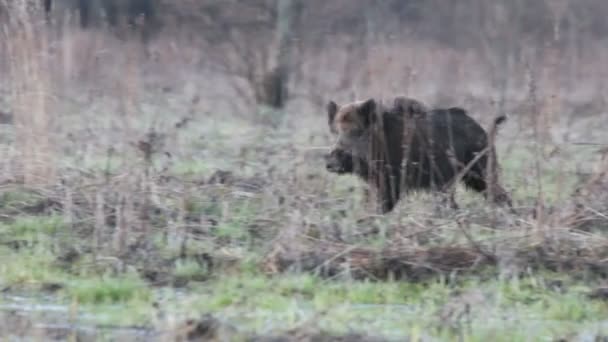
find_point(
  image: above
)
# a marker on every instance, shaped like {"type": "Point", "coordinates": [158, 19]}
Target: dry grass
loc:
{"type": "Point", "coordinates": [124, 141]}
{"type": "Point", "coordinates": [93, 104]}
{"type": "Point", "coordinates": [29, 78]}
{"type": "Point", "coordinates": [561, 242]}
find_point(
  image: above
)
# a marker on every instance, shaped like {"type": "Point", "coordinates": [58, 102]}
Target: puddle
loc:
{"type": "Point", "coordinates": [25, 304]}
{"type": "Point", "coordinates": [32, 319]}
{"type": "Point", "coordinates": [25, 318]}
{"type": "Point", "coordinates": [35, 318]}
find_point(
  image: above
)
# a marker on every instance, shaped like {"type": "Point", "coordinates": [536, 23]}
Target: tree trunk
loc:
{"type": "Point", "coordinates": [272, 89]}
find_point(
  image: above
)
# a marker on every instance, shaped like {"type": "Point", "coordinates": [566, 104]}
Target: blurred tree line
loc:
{"type": "Point", "coordinates": [456, 23]}
{"type": "Point", "coordinates": [257, 40]}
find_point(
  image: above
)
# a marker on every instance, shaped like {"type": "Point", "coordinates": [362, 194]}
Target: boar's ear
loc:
{"type": "Point", "coordinates": [367, 112]}
{"type": "Point", "coordinates": [332, 109]}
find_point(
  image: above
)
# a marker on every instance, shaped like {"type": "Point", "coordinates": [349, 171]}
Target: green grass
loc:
{"type": "Point", "coordinates": [190, 270]}
{"type": "Point", "coordinates": [508, 310]}
{"type": "Point", "coordinates": [107, 290]}
{"type": "Point", "coordinates": [235, 218]}
{"type": "Point", "coordinates": [572, 306]}
{"type": "Point", "coordinates": [16, 197]}
{"type": "Point", "coordinates": [511, 310]}
{"type": "Point", "coordinates": [192, 168]}
{"type": "Point", "coordinates": [30, 268]}
{"type": "Point", "coordinates": [31, 227]}
{"type": "Point", "coordinates": [27, 256]}
{"type": "Point", "coordinates": [558, 173]}
{"type": "Point", "coordinates": [287, 301]}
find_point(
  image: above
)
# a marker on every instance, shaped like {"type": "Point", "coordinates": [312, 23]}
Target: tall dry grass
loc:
{"type": "Point", "coordinates": [26, 42]}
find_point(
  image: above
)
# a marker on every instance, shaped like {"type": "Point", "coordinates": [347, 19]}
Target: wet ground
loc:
{"type": "Point", "coordinates": [26, 319]}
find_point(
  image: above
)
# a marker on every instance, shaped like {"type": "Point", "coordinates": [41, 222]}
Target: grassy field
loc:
{"type": "Point", "coordinates": [241, 234]}
{"type": "Point", "coordinates": [136, 205]}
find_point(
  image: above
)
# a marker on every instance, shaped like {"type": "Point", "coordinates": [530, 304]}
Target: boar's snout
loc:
{"type": "Point", "coordinates": [338, 161]}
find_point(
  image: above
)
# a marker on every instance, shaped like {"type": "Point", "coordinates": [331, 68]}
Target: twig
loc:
{"type": "Point", "coordinates": [474, 243]}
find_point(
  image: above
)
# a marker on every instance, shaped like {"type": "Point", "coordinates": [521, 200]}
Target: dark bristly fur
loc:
{"type": "Point", "coordinates": [439, 143]}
